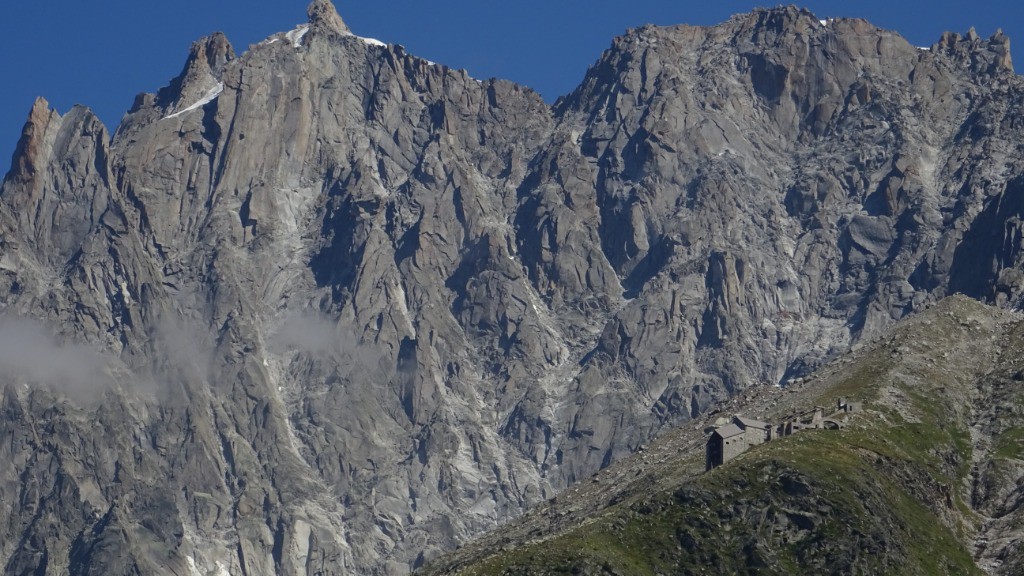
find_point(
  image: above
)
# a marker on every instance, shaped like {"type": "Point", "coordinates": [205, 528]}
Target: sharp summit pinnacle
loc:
{"type": "Point", "coordinates": [323, 13]}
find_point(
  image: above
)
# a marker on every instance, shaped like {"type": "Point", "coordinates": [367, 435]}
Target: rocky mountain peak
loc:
{"type": "Point", "coordinates": [322, 13]}
{"type": "Point", "coordinates": [216, 50]}
{"type": "Point", "coordinates": [27, 154]}
{"type": "Point", "coordinates": [58, 185]}
{"type": "Point", "coordinates": [780, 20]}
{"type": "Point", "coordinates": [986, 56]}
{"type": "Point", "coordinates": [206, 60]}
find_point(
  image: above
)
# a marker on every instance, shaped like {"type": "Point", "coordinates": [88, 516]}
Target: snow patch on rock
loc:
{"type": "Point", "coordinates": [210, 96]}
{"type": "Point", "coordinates": [295, 36]}
{"type": "Point", "coordinates": [372, 41]}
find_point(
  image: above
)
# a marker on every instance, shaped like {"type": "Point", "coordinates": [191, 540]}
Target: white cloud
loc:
{"type": "Point", "coordinates": [33, 354]}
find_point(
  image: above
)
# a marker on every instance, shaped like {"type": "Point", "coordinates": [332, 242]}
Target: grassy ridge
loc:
{"type": "Point", "coordinates": [820, 500]}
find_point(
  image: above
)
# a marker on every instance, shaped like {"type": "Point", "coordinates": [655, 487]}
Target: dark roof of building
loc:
{"type": "Point", "coordinates": [745, 422]}
{"type": "Point", "coordinates": [728, 431]}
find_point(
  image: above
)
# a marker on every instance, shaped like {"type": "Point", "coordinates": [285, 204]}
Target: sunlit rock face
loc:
{"type": "Point", "coordinates": [338, 308]}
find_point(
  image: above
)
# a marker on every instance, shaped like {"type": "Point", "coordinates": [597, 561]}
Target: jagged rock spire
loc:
{"type": "Point", "coordinates": [206, 61]}
{"type": "Point", "coordinates": [216, 49]}
{"type": "Point", "coordinates": [30, 146]}
{"type": "Point", "coordinates": [323, 13]}
{"type": "Point", "coordinates": [983, 56]}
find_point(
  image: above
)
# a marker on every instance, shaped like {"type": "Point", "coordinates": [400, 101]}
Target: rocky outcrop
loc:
{"type": "Point", "coordinates": [323, 13]}
{"type": "Point", "coordinates": [351, 307]}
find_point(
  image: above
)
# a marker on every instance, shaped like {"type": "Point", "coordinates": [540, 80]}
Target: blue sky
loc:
{"type": "Point", "coordinates": [103, 53]}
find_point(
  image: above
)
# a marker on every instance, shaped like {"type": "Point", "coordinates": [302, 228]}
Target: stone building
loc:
{"type": "Point", "coordinates": [811, 419]}
{"type": "Point", "coordinates": [731, 440]}
{"type": "Point", "coordinates": [755, 431]}
{"type": "Point", "coordinates": [847, 406]}
{"type": "Point", "coordinates": [816, 419]}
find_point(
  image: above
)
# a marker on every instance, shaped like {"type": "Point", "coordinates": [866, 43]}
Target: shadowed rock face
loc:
{"type": "Point", "coordinates": [355, 307]}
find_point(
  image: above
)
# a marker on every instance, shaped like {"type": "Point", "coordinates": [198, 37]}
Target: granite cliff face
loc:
{"type": "Point", "coordinates": [337, 308]}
